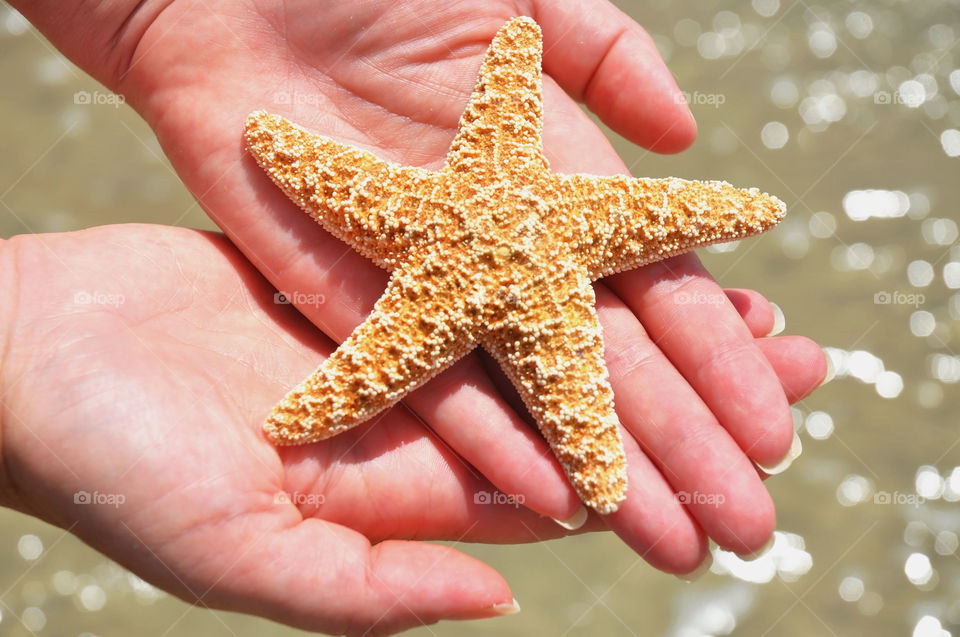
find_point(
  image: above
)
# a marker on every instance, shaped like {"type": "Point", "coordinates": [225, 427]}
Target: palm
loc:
{"type": "Point", "coordinates": [155, 395]}
{"type": "Point", "coordinates": [394, 77]}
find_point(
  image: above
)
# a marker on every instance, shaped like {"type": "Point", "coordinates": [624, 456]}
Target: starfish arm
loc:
{"type": "Point", "coordinates": [618, 223]}
{"type": "Point", "coordinates": [416, 330]}
{"type": "Point", "coordinates": [380, 208]}
{"type": "Point", "coordinates": [503, 121]}
{"type": "Point", "coordinates": [552, 350]}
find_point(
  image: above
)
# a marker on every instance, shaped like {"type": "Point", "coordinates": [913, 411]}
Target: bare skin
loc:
{"type": "Point", "coordinates": [139, 360]}
{"type": "Point", "coordinates": [393, 78]}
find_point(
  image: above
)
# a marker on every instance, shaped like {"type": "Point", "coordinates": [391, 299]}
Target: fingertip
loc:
{"type": "Point", "coordinates": [698, 572]}
{"type": "Point", "coordinates": [602, 57]}
{"type": "Point", "coordinates": [679, 137]}
{"type": "Point", "coordinates": [755, 310]}
{"type": "Point", "coordinates": [760, 552]}
{"type": "Point", "coordinates": [642, 102]}
{"type": "Point", "coordinates": [775, 444]}
{"type": "Point", "coordinates": [800, 364]}
{"type": "Point", "coordinates": [688, 558]}
{"type": "Point", "coordinates": [751, 527]}
{"type": "Point", "coordinates": [796, 448]}
{"type": "Point", "coordinates": [429, 583]}
{"type": "Point", "coordinates": [679, 552]}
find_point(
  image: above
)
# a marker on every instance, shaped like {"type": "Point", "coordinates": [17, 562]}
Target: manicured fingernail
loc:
{"type": "Point", "coordinates": [760, 551]}
{"type": "Point", "coordinates": [698, 572]}
{"type": "Point", "coordinates": [796, 448]}
{"type": "Point", "coordinates": [575, 521]}
{"type": "Point", "coordinates": [779, 320]}
{"type": "Point", "coordinates": [831, 370]}
{"type": "Point", "coordinates": [511, 608]}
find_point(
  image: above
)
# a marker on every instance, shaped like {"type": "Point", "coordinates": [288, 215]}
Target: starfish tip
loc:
{"type": "Point", "coordinates": [521, 30]}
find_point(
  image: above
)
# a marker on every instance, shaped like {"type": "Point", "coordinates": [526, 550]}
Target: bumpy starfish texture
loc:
{"type": "Point", "coordinates": [492, 250]}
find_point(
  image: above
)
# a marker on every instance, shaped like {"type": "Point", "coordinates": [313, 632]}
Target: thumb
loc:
{"type": "Point", "coordinates": [601, 57]}
{"type": "Point", "coordinates": [324, 577]}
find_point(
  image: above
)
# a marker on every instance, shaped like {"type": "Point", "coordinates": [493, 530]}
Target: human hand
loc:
{"type": "Point", "coordinates": [138, 362]}
{"type": "Point", "coordinates": [134, 372]}
{"type": "Point", "coordinates": [694, 391]}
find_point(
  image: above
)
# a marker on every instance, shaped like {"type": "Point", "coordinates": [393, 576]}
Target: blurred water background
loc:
{"type": "Point", "coordinates": [850, 112]}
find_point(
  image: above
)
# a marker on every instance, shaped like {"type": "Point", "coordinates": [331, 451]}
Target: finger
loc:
{"type": "Point", "coordinates": [464, 407]}
{"type": "Point", "coordinates": [652, 521]}
{"type": "Point", "coordinates": [799, 363]}
{"type": "Point", "coordinates": [695, 454]}
{"type": "Point", "coordinates": [323, 577]}
{"type": "Point", "coordinates": [755, 310]}
{"type": "Point", "coordinates": [693, 323]}
{"type": "Point", "coordinates": [376, 477]}
{"type": "Point", "coordinates": [601, 57]}
{"type": "Point", "coordinates": [758, 315]}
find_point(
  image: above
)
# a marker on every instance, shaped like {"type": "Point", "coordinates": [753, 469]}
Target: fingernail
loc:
{"type": "Point", "coordinates": [779, 320]}
{"type": "Point", "coordinates": [497, 610]}
{"type": "Point", "coordinates": [511, 608]}
{"type": "Point", "coordinates": [577, 520]}
{"type": "Point", "coordinates": [698, 572]}
{"type": "Point", "coordinates": [831, 370]}
{"type": "Point", "coordinates": [796, 448]}
{"type": "Point", "coordinates": [760, 551]}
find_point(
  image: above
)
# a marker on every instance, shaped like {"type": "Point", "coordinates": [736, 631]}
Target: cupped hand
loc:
{"type": "Point", "coordinates": [138, 362]}
{"type": "Point", "coordinates": [136, 367]}
{"type": "Point", "coordinates": [698, 398]}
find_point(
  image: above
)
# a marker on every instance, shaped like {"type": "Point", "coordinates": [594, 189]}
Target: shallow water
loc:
{"type": "Point", "coordinates": [850, 112]}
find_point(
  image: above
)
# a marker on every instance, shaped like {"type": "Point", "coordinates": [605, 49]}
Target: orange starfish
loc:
{"type": "Point", "coordinates": [492, 250]}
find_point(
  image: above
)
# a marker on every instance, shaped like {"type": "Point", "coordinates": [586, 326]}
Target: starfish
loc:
{"type": "Point", "coordinates": [492, 250]}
